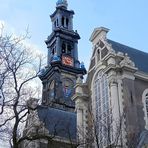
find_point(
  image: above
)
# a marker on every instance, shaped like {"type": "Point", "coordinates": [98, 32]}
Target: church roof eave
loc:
{"type": "Point", "coordinates": [58, 64]}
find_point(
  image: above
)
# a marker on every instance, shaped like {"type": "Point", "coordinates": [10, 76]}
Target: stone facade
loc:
{"type": "Point", "coordinates": [117, 79]}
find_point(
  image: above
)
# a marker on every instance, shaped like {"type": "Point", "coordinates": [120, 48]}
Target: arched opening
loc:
{"type": "Point", "coordinates": [63, 48]}
{"type": "Point", "coordinates": [57, 23]}
{"type": "Point", "coordinates": [104, 52]}
{"type": "Point", "coordinates": [66, 48]}
{"type": "Point", "coordinates": [102, 109]}
{"type": "Point", "coordinates": [53, 50]}
{"type": "Point", "coordinates": [145, 107]}
{"type": "Point", "coordinates": [67, 22]}
{"type": "Point", "coordinates": [69, 49]}
{"type": "Point", "coordinates": [63, 21]}
{"type": "Point", "coordinates": [98, 56]}
{"type": "Point", "coordinates": [146, 103]}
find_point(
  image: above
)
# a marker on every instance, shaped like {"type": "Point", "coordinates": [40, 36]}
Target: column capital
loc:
{"type": "Point", "coordinates": [113, 81]}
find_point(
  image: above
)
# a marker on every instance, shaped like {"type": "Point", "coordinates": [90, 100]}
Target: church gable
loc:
{"type": "Point", "coordinates": [98, 32]}
{"type": "Point", "coordinates": [102, 46]}
{"type": "Point", "coordinates": [140, 58]}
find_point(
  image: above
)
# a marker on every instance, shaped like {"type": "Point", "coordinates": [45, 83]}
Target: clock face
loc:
{"type": "Point", "coordinates": [66, 60]}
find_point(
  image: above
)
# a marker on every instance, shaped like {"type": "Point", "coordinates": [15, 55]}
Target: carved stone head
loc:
{"type": "Point", "coordinates": [32, 103]}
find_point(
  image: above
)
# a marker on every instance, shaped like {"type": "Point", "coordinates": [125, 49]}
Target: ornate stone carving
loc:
{"type": "Point", "coordinates": [79, 79]}
{"type": "Point", "coordinates": [32, 103]}
{"type": "Point", "coordinates": [113, 80]}
{"type": "Point", "coordinates": [127, 61]}
{"type": "Point", "coordinates": [34, 125]}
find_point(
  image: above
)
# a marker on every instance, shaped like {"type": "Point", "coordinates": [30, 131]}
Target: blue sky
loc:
{"type": "Point", "coordinates": [126, 19]}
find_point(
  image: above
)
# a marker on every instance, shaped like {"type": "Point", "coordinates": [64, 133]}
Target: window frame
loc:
{"type": "Point", "coordinates": [145, 109]}
{"type": "Point", "coordinates": [102, 90]}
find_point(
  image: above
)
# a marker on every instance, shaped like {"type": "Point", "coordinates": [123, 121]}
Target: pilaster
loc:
{"type": "Point", "coordinates": [58, 47]}
{"type": "Point", "coordinates": [114, 97]}
{"type": "Point", "coordinates": [81, 102]}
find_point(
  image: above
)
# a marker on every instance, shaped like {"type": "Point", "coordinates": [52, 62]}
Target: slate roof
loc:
{"type": "Point", "coordinates": [140, 58]}
{"type": "Point", "coordinates": [58, 122]}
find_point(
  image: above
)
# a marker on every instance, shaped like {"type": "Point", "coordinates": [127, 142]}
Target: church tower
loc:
{"type": "Point", "coordinates": [55, 119]}
{"type": "Point", "coordinates": [63, 66]}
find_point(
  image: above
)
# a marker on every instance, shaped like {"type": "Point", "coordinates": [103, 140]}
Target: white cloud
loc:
{"type": "Point", "coordinates": [33, 49]}
{"type": "Point", "coordinates": [9, 29]}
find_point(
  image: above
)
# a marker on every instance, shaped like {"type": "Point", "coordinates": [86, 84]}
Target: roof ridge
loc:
{"type": "Point", "coordinates": [128, 46]}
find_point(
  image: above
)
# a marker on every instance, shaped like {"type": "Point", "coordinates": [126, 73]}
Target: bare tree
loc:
{"type": "Point", "coordinates": [106, 132]}
{"type": "Point", "coordinates": [18, 67]}
{"type": "Point", "coordinates": [102, 131]}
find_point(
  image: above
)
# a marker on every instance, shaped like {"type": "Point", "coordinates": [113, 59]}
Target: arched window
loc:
{"type": "Point", "coordinates": [145, 107]}
{"type": "Point", "coordinates": [102, 109]}
{"type": "Point", "coordinates": [53, 50]}
{"type": "Point", "coordinates": [63, 48]}
{"type": "Point", "coordinates": [146, 102]}
{"type": "Point", "coordinates": [63, 21]}
{"type": "Point", "coordinates": [98, 56]}
{"type": "Point", "coordinates": [67, 22]}
{"type": "Point", "coordinates": [51, 90]}
{"type": "Point", "coordinates": [102, 50]}
{"type": "Point", "coordinates": [57, 23]}
{"type": "Point", "coordinates": [69, 49]}
{"type": "Point", "coordinates": [66, 48]}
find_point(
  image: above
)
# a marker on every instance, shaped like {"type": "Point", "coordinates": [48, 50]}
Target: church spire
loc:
{"type": "Point", "coordinates": [62, 3]}
{"type": "Point", "coordinates": [60, 75]}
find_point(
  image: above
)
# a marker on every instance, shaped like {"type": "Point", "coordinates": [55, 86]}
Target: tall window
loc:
{"type": "Point", "coordinates": [62, 21]}
{"type": "Point", "coordinates": [102, 109]}
{"type": "Point", "coordinates": [102, 50]}
{"type": "Point", "coordinates": [67, 22]}
{"type": "Point", "coordinates": [145, 104]}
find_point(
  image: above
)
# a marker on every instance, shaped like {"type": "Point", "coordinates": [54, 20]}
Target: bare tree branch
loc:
{"type": "Point", "coordinates": [17, 70]}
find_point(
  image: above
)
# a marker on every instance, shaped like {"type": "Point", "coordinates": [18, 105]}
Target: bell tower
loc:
{"type": "Point", "coordinates": [62, 42]}
{"type": "Point", "coordinates": [63, 66]}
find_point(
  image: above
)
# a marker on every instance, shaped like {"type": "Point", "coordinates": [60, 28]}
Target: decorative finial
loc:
{"type": "Point", "coordinates": [62, 3]}
{"type": "Point", "coordinates": [79, 79]}
{"type": "Point", "coordinates": [82, 65]}
{"type": "Point", "coordinates": [41, 72]}
{"type": "Point", "coordinates": [55, 58]}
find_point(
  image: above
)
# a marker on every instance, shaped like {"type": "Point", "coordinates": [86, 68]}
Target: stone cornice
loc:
{"type": "Point", "coordinates": [141, 75]}
{"type": "Point", "coordinates": [97, 31]}
{"type": "Point", "coordinates": [58, 66]}
{"type": "Point", "coordinates": [111, 54]}
{"type": "Point", "coordinates": [80, 96]}
{"type": "Point", "coordinates": [110, 67]}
